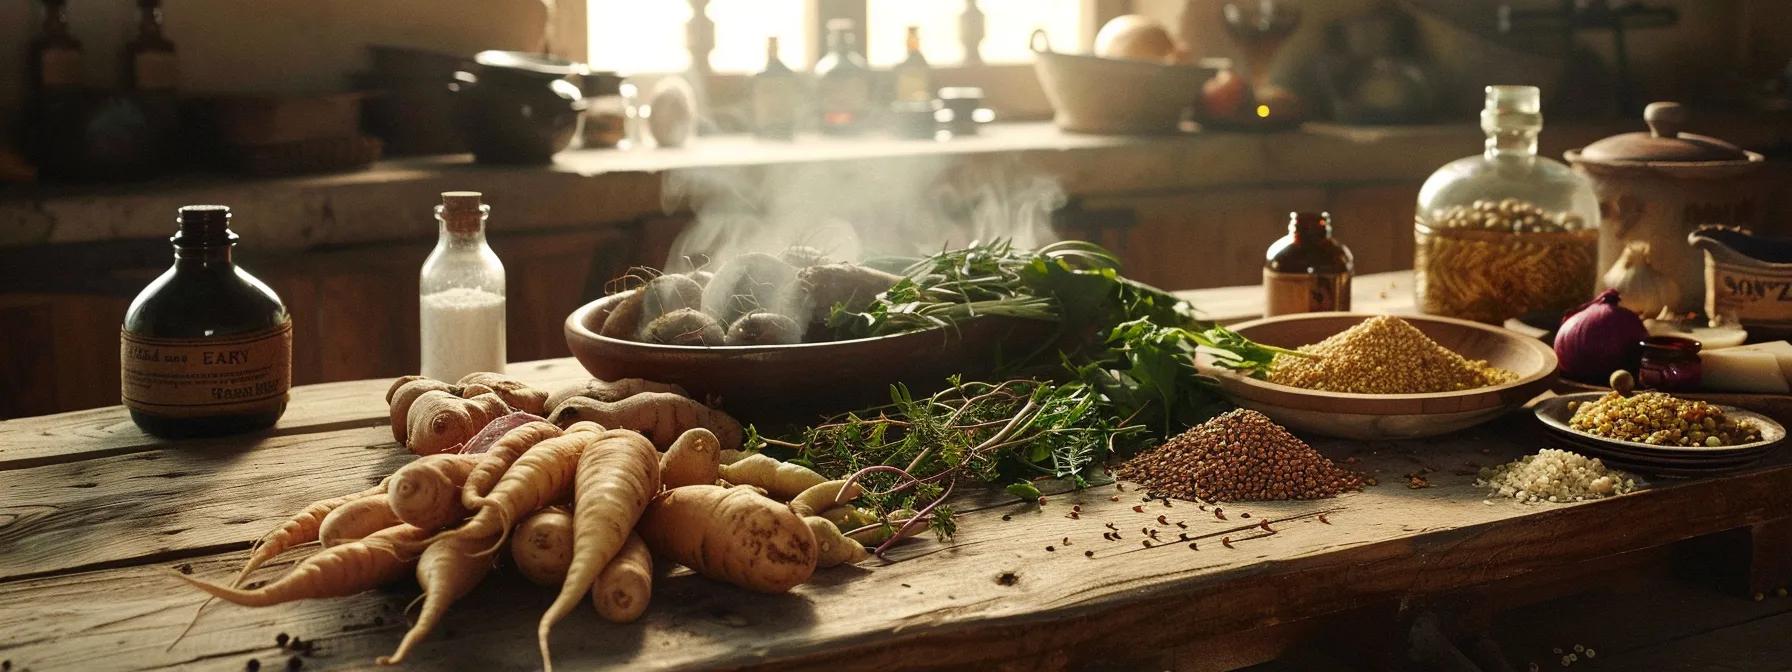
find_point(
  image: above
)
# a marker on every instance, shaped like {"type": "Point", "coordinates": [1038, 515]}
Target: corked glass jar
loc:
{"type": "Point", "coordinates": [1506, 233]}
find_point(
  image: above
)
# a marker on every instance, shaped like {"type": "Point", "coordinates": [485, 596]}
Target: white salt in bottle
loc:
{"type": "Point", "coordinates": [462, 298]}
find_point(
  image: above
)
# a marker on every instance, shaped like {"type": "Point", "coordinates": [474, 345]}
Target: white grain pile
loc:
{"type": "Point", "coordinates": [1555, 476]}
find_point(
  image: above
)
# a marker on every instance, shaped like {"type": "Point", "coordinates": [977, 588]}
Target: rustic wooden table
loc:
{"type": "Point", "coordinates": [96, 517]}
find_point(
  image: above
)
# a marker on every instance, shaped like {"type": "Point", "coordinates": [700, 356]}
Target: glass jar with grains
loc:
{"type": "Point", "coordinates": [1506, 233]}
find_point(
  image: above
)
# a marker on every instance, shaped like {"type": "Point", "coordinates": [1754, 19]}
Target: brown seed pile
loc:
{"type": "Point", "coordinates": [1239, 456]}
{"type": "Point", "coordinates": [1384, 355]}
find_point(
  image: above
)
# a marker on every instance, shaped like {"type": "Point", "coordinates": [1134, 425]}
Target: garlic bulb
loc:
{"type": "Point", "coordinates": [1646, 290]}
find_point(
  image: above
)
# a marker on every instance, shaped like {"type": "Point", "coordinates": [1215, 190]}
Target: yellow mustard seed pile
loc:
{"type": "Point", "coordinates": [1237, 457]}
{"type": "Point", "coordinates": [1384, 355]}
{"type": "Point", "coordinates": [1660, 419]}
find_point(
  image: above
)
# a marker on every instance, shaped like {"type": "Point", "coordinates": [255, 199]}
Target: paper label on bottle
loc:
{"type": "Point", "coordinates": [156, 71]}
{"type": "Point", "coordinates": [200, 377]}
{"type": "Point", "coordinates": [60, 67]}
{"type": "Point", "coordinates": [1287, 293]}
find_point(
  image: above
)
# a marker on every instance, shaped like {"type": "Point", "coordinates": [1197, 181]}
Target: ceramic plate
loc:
{"type": "Point", "coordinates": [1554, 414]}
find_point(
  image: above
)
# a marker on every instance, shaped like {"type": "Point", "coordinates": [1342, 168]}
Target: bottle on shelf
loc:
{"type": "Point", "coordinates": [55, 55]}
{"type": "Point", "coordinates": [149, 63]}
{"type": "Point", "coordinates": [461, 294]}
{"type": "Point", "coordinates": [843, 82]}
{"type": "Point", "coordinates": [913, 77]}
{"type": "Point", "coordinates": [777, 95]}
{"type": "Point", "coordinates": [205, 349]}
{"type": "Point", "coordinates": [1308, 270]}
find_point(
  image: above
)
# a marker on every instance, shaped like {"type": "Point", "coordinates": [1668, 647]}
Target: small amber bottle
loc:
{"type": "Point", "coordinates": [1307, 270]}
{"type": "Point", "coordinates": [206, 348]}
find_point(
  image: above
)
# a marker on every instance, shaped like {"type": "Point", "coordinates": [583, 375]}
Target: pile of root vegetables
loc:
{"type": "Point", "coordinates": [583, 490]}
{"type": "Point", "coordinates": [752, 299]}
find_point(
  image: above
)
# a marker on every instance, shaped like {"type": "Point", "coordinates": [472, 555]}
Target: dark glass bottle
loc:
{"type": "Point", "coordinates": [55, 54]}
{"type": "Point", "coordinates": [1307, 270]}
{"type": "Point", "coordinates": [843, 83]}
{"type": "Point", "coordinates": [913, 77]}
{"type": "Point", "coordinates": [777, 93]}
{"type": "Point", "coordinates": [206, 348]}
{"type": "Point", "coordinates": [149, 63]}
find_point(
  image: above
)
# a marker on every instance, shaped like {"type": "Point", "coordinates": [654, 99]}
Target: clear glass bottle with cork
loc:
{"type": "Point", "coordinates": [1307, 271]}
{"type": "Point", "coordinates": [206, 348]}
{"type": "Point", "coordinates": [461, 294]}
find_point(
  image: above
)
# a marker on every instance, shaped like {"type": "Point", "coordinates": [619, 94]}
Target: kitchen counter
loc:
{"type": "Point", "coordinates": [392, 199]}
{"type": "Point", "coordinates": [98, 517]}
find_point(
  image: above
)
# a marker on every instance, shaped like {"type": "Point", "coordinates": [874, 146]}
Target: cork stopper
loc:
{"type": "Point", "coordinates": [202, 225]}
{"type": "Point", "coordinates": [462, 211]}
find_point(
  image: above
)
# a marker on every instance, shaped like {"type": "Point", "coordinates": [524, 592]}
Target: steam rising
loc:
{"type": "Point", "coordinates": [857, 210]}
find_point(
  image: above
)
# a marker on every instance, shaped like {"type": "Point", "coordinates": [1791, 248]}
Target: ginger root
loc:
{"type": "Point", "coordinates": [406, 390]}
{"type": "Point", "coordinates": [514, 392]}
{"type": "Point", "coordinates": [438, 422]}
{"type": "Point", "coordinates": [661, 416]}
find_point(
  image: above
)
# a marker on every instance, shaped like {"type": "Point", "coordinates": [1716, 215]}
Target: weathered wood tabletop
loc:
{"type": "Point", "coordinates": [95, 519]}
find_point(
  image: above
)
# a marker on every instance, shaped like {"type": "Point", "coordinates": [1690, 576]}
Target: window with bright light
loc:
{"type": "Point", "coordinates": [636, 36]}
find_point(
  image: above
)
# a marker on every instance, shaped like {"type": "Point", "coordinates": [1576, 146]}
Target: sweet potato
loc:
{"type": "Point", "coordinates": [440, 422]}
{"type": "Point", "coordinates": [426, 492]}
{"type": "Point", "coordinates": [356, 520]}
{"type": "Point", "coordinates": [336, 571]}
{"type": "Point", "coordinates": [832, 547]}
{"type": "Point", "coordinates": [623, 589]}
{"type": "Point", "coordinates": [493, 463]}
{"type": "Point", "coordinates": [610, 391]}
{"type": "Point", "coordinates": [662, 417]}
{"type": "Point", "coordinates": [691, 460]}
{"type": "Point", "coordinates": [515, 393]}
{"type": "Point", "coordinates": [732, 535]}
{"type": "Point", "coordinates": [782, 480]}
{"type": "Point", "coordinates": [446, 571]}
{"type": "Point", "coordinates": [542, 546]}
{"type": "Point", "coordinates": [617, 475]}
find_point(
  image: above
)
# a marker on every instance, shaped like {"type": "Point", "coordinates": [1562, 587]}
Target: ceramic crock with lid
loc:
{"type": "Point", "coordinates": [1660, 185]}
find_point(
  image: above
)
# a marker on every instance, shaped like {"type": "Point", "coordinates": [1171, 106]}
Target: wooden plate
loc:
{"type": "Point", "coordinates": [1673, 460]}
{"type": "Point", "coordinates": [1391, 416]}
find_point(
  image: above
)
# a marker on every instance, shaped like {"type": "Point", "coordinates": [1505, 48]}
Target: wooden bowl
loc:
{"type": "Point", "coordinates": [796, 382]}
{"type": "Point", "coordinates": [1090, 94]}
{"type": "Point", "coordinates": [1392, 416]}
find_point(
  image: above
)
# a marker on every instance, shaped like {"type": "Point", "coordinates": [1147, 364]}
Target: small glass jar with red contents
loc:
{"type": "Point", "coordinates": [1670, 364]}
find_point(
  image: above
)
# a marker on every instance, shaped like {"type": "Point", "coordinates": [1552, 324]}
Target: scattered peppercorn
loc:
{"type": "Point", "coordinates": [1088, 554]}
{"type": "Point", "coordinates": [1049, 549]}
{"type": "Point", "coordinates": [1138, 508]}
{"type": "Point", "coordinates": [1192, 546]}
{"type": "Point", "coordinates": [1238, 456]}
{"type": "Point", "coordinates": [294, 663]}
{"type": "Point", "coordinates": [184, 568]}
{"type": "Point", "coordinates": [1006, 517]}
{"type": "Point", "coordinates": [1146, 542]}
{"type": "Point", "coordinates": [1074, 516]}
{"type": "Point", "coordinates": [1246, 514]}
{"type": "Point", "coordinates": [280, 640]}
{"type": "Point", "coordinates": [1355, 361]}
{"type": "Point", "coordinates": [253, 665]}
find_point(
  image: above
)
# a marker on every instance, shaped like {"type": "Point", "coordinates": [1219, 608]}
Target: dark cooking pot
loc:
{"type": "Point", "coordinates": [518, 107]}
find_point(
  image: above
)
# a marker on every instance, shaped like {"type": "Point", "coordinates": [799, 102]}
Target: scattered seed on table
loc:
{"type": "Point", "coordinates": [1138, 508]}
{"type": "Point", "coordinates": [1162, 520]}
{"type": "Point", "coordinates": [1182, 537]}
{"type": "Point", "coordinates": [1042, 500]}
{"type": "Point", "coordinates": [294, 663]}
{"type": "Point", "coordinates": [1590, 653]}
{"type": "Point", "coordinates": [1067, 541]}
{"type": "Point", "coordinates": [1088, 554]}
{"type": "Point", "coordinates": [1007, 517]}
{"type": "Point", "coordinates": [1114, 498]}
{"type": "Point", "coordinates": [1226, 541]}
{"type": "Point", "coordinates": [1219, 513]}
{"type": "Point", "coordinates": [1265, 526]}
{"type": "Point", "coordinates": [1246, 514]}
{"type": "Point", "coordinates": [1182, 524]}
{"type": "Point", "coordinates": [1146, 542]}
{"type": "Point", "coordinates": [1118, 486]}
{"type": "Point", "coordinates": [185, 568]}
{"type": "Point", "coordinates": [1049, 549]}
{"type": "Point", "coordinates": [252, 666]}
{"type": "Point", "coordinates": [1073, 516]}
{"type": "Point", "coordinates": [1323, 520]}
{"type": "Point", "coordinates": [1076, 507]}
{"type": "Point", "coordinates": [1166, 502]}
{"type": "Point", "coordinates": [1111, 526]}
{"type": "Point", "coordinates": [1193, 547]}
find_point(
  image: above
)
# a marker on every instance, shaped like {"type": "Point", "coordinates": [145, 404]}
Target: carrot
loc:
{"type": "Point", "coordinates": [426, 492]}
{"type": "Point", "coordinates": [494, 462]}
{"type": "Point", "coordinates": [439, 422]}
{"type": "Point", "coordinates": [824, 496]}
{"type": "Point", "coordinates": [542, 476]}
{"type": "Point", "coordinates": [660, 416]}
{"type": "Point", "coordinates": [782, 479]}
{"type": "Point", "coordinates": [542, 546]}
{"type": "Point", "coordinates": [515, 393]}
{"type": "Point", "coordinates": [610, 391]}
{"type": "Point", "coordinates": [731, 534]}
{"type": "Point", "coordinates": [691, 460]}
{"type": "Point", "coordinates": [356, 520]}
{"type": "Point", "coordinates": [622, 590]}
{"type": "Point", "coordinates": [300, 529]}
{"type": "Point", "coordinates": [833, 548]}
{"type": "Point", "coordinates": [336, 571]}
{"type": "Point", "coordinates": [617, 475]}
{"type": "Point", "coordinates": [447, 571]}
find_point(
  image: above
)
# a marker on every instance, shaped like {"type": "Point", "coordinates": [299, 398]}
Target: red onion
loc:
{"type": "Point", "coordinates": [1599, 338]}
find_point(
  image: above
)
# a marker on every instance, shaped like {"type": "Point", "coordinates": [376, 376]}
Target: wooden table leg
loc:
{"type": "Point", "coordinates": [1770, 556]}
